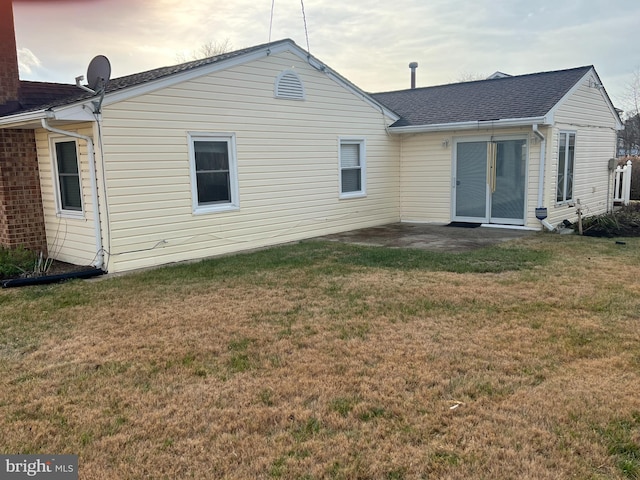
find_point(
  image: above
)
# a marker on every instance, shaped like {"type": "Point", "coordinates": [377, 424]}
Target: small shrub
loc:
{"type": "Point", "coordinates": [623, 222]}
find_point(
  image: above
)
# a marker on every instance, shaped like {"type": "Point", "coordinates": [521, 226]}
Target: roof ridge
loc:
{"type": "Point", "coordinates": [509, 78]}
{"type": "Point", "coordinates": [191, 64]}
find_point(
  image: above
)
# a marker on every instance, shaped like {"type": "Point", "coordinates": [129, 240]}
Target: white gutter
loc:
{"type": "Point", "coordinates": [99, 261]}
{"type": "Point", "coordinates": [541, 175]}
{"type": "Point", "coordinates": [25, 117]}
{"type": "Point", "coordinates": [474, 125]}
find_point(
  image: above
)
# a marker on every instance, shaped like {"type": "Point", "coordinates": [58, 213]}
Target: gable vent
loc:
{"type": "Point", "coordinates": [289, 86]}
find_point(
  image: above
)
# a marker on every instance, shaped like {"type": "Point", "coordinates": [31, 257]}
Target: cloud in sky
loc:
{"type": "Point", "coordinates": [370, 43]}
{"type": "Point", "coordinates": [28, 63]}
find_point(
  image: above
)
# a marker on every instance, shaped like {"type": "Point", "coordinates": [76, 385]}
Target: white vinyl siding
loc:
{"type": "Point", "coordinates": [287, 164]}
{"type": "Point", "coordinates": [352, 168]}
{"type": "Point", "coordinates": [214, 177]}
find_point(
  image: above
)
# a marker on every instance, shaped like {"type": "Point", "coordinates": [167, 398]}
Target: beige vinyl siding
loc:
{"type": "Point", "coordinates": [287, 157]}
{"type": "Point", "coordinates": [587, 106]}
{"type": "Point", "coordinates": [427, 174]}
{"type": "Point", "coordinates": [69, 239]}
{"type": "Point", "coordinates": [533, 175]}
{"type": "Point", "coordinates": [588, 114]}
{"type": "Point", "coordinates": [425, 195]}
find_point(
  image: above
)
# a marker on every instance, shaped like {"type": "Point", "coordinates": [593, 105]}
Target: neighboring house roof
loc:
{"type": "Point", "coordinates": [517, 97]}
{"type": "Point", "coordinates": [34, 94]}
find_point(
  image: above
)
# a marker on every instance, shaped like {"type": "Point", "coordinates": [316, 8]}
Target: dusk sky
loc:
{"type": "Point", "coordinates": [369, 42]}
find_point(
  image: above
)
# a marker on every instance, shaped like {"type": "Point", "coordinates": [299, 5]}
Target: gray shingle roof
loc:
{"type": "Point", "coordinates": [523, 96]}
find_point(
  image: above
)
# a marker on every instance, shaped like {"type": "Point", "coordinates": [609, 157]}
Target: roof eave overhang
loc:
{"type": "Point", "coordinates": [79, 112]}
{"type": "Point", "coordinates": [474, 125]}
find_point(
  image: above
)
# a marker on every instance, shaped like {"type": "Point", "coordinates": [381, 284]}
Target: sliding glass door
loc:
{"type": "Point", "coordinates": [490, 181]}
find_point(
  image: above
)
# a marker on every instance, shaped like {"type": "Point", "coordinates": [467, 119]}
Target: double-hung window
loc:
{"type": "Point", "coordinates": [214, 179]}
{"type": "Point", "coordinates": [68, 181]}
{"type": "Point", "coordinates": [566, 162]}
{"type": "Point", "coordinates": [352, 167]}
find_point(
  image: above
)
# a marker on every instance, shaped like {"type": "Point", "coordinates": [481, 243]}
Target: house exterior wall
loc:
{"type": "Point", "coordinates": [69, 238]}
{"type": "Point", "coordinates": [587, 114]}
{"type": "Point", "coordinates": [426, 173]}
{"type": "Point", "coordinates": [21, 214]}
{"type": "Point", "coordinates": [287, 157]}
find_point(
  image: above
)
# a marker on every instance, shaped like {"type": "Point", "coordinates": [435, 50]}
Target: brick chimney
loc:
{"type": "Point", "coordinates": [21, 213]}
{"type": "Point", "coordinates": [9, 76]}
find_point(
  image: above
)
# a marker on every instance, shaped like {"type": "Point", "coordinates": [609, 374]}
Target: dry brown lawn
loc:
{"type": "Point", "coordinates": [295, 363]}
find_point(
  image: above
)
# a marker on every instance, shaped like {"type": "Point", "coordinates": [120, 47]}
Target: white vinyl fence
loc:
{"type": "Point", "coordinates": [622, 185]}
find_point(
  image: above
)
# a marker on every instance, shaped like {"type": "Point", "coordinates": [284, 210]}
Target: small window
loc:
{"type": "Point", "coordinates": [566, 161]}
{"type": "Point", "coordinates": [289, 86]}
{"type": "Point", "coordinates": [213, 171]}
{"type": "Point", "coordinates": [352, 167]}
{"type": "Point", "coordinates": [68, 177]}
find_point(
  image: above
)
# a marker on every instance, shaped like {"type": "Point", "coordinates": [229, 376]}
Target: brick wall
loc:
{"type": "Point", "coordinates": [21, 214]}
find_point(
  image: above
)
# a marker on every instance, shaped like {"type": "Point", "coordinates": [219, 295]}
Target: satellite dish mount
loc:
{"type": "Point", "coordinates": [98, 75]}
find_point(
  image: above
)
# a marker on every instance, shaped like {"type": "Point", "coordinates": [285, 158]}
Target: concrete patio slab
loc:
{"type": "Point", "coordinates": [443, 238]}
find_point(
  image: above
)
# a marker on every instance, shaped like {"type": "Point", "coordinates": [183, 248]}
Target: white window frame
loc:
{"type": "Point", "coordinates": [566, 200]}
{"type": "Point", "coordinates": [361, 142]}
{"type": "Point", "coordinates": [55, 175]}
{"type": "Point", "coordinates": [230, 139]}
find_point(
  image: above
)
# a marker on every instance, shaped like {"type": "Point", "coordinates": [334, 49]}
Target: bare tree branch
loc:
{"type": "Point", "coordinates": [208, 49]}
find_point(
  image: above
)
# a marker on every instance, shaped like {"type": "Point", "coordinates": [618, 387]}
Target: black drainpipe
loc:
{"type": "Point", "coordinates": [45, 279]}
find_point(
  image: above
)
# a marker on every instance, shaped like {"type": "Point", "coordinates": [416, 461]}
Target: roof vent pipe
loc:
{"type": "Point", "coordinates": [413, 66]}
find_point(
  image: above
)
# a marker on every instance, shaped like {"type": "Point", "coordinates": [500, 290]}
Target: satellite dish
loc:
{"type": "Point", "coordinates": [98, 73]}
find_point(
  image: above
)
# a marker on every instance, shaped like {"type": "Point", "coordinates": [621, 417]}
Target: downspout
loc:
{"type": "Point", "coordinates": [541, 211]}
{"type": "Point", "coordinates": [99, 260]}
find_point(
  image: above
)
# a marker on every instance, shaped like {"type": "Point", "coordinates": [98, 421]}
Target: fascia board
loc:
{"type": "Point", "coordinates": [79, 112]}
{"type": "Point", "coordinates": [475, 125]}
{"type": "Point", "coordinates": [603, 91]}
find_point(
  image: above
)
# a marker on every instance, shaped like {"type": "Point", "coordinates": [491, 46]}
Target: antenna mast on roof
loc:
{"type": "Point", "coordinates": [273, 2]}
{"type": "Point", "coordinates": [306, 32]}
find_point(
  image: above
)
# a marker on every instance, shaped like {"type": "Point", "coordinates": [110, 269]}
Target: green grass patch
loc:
{"type": "Point", "coordinates": [493, 259]}
{"type": "Point", "coordinates": [343, 405]}
{"type": "Point", "coordinates": [306, 430]}
{"type": "Point", "coordinates": [622, 438]}
{"type": "Point", "coordinates": [14, 261]}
